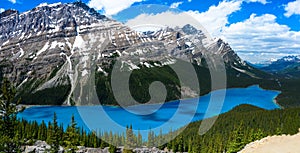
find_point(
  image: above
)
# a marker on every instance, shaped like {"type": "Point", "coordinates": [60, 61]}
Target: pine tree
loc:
{"type": "Point", "coordinates": [49, 133]}
{"type": "Point", "coordinates": [110, 138]}
{"type": "Point", "coordinates": [94, 140]}
{"type": "Point", "coordinates": [129, 138]}
{"type": "Point", "coordinates": [180, 144]}
{"type": "Point", "coordinates": [174, 146]}
{"type": "Point", "coordinates": [160, 138]}
{"type": "Point", "coordinates": [278, 131]}
{"type": "Point", "coordinates": [123, 139]}
{"type": "Point", "coordinates": [259, 134]}
{"type": "Point", "coordinates": [238, 142]}
{"type": "Point", "coordinates": [112, 149]}
{"type": "Point", "coordinates": [8, 120]}
{"type": "Point", "coordinates": [71, 138]}
{"type": "Point", "coordinates": [139, 140]}
{"type": "Point", "coordinates": [150, 139]}
{"type": "Point", "coordinates": [54, 138]}
{"type": "Point", "coordinates": [42, 133]}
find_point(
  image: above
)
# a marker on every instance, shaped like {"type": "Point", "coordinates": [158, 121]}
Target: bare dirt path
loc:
{"type": "Point", "coordinates": [275, 144]}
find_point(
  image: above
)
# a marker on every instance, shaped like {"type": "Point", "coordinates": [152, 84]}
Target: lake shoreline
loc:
{"type": "Point", "coordinates": [188, 110]}
{"type": "Point", "coordinates": [255, 85]}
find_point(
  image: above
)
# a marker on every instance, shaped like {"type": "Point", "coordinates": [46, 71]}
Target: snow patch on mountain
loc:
{"type": "Point", "coordinates": [78, 43]}
{"type": "Point", "coordinates": [46, 46]}
{"type": "Point", "coordinates": [49, 5]}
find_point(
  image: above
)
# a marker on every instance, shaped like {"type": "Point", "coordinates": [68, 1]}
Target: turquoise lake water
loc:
{"type": "Point", "coordinates": [171, 115]}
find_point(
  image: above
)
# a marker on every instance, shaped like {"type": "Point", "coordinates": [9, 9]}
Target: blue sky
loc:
{"type": "Point", "coordinates": [258, 30]}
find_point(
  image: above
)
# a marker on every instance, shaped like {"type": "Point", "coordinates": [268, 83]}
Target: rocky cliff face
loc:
{"type": "Point", "coordinates": [61, 44]}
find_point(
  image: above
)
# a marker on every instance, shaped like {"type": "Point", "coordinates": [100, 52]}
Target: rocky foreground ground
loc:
{"type": "Point", "coordinates": [270, 144]}
{"type": "Point", "coordinates": [42, 147]}
{"type": "Point", "coordinates": [275, 144]}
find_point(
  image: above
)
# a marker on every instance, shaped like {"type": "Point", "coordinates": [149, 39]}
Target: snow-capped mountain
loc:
{"type": "Point", "coordinates": [282, 63]}
{"type": "Point", "coordinates": [57, 46]}
{"type": "Point", "coordinates": [288, 66]}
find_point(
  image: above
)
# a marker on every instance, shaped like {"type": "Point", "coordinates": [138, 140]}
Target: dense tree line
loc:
{"type": "Point", "coordinates": [233, 130]}
{"type": "Point", "coordinates": [55, 135]}
{"type": "Point", "coordinates": [26, 133]}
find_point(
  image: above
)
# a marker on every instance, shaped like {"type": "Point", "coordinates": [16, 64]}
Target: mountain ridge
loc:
{"type": "Point", "coordinates": [58, 46]}
{"type": "Point", "coordinates": [288, 66]}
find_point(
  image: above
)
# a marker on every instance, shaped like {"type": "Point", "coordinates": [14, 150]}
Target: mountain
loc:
{"type": "Point", "coordinates": [259, 65]}
{"type": "Point", "coordinates": [288, 66]}
{"type": "Point", "coordinates": [51, 52]}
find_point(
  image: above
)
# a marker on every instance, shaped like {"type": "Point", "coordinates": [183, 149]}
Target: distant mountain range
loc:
{"type": "Point", "coordinates": [288, 66]}
{"type": "Point", "coordinates": [49, 53]}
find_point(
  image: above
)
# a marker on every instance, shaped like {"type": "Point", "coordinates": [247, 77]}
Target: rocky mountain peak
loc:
{"type": "Point", "coordinates": [62, 19]}
{"type": "Point", "coordinates": [8, 13]}
{"type": "Point", "coordinates": [189, 29]}
{"type": "Point", "coordinates": [289, 59]}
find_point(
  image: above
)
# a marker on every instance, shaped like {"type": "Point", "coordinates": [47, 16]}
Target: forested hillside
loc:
{"type": "Point", "coordinates": [231, 132]}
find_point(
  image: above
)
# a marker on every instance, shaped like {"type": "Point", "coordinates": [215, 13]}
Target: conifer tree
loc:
{"type": "Point", "coordinates": [174, 146]}
{"type": "Point", "coordinates": [112, 149]}
{"type": "Point", "coordinates": [150, 139]}
{"type": "Point", "coordinates": [54, 138]}
{"type": "Point", "coordinates": [49, 133]}
{"type": "Point", "coordinates": [129, 138]}
{"type": "Point", "coordinates": [139, 140]}
{"type": "Point", "coordinates": [259, 134]}
{"type": "Point", "coordinates": [110, 138]}
{"type": "Point", "coordinates": [160, 138]}
{"type": "Point", "coordinates": [180, 144]}
{"type": "Point", "coordinates": [8, 117]}
{"type": "Point", "coordinates": [42, 133]}
{"type": "Point", "coordinates": [71, 138]}
{"type": "Point", "coordinates": [238, 142]}
{"type": "Point", "coordinates": [278, 131]}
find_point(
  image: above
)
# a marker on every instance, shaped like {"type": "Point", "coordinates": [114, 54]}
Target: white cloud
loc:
{"type": "Point", "coordinates": [259, 1]}
{"type": "Point", "coordinates": [13, 1]}
{"type": "Point", "coordinates": [216, 18]}
{"type": "Point", "coordinates": [213, 20]}
{"type": "Point", "coordinates": [292, 8]}
{"type": "Point", "coordinates": [189, 0]}
{"type": "Point", "coordinates": [111, 7]}
{"type": "Point", "coordinates": [2, 10]}
{"type": "Point", "coordinates": [260, 38]}
{"type": "Point", "coordinates": [163, 19]}
{"type": "Point", "coordinates": [175, 5]}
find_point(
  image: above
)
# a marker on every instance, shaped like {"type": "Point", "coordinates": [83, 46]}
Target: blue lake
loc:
{"type": "Point", "coordinates": [172, 115]}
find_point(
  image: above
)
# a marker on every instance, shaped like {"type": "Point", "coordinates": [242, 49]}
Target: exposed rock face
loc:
{"type": "Point", "coordinates": [61, 44]}
{"type": "Point", "coordinates": [150, 150]}
{"type": "Point", "coordinates": [43, 147]}
{"type": "Point", "coordinates": [7, 13]}
{"type": "Point", "coordinates": [38, 147]}
{"type": "Point", "coordinates": [33, 42]}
